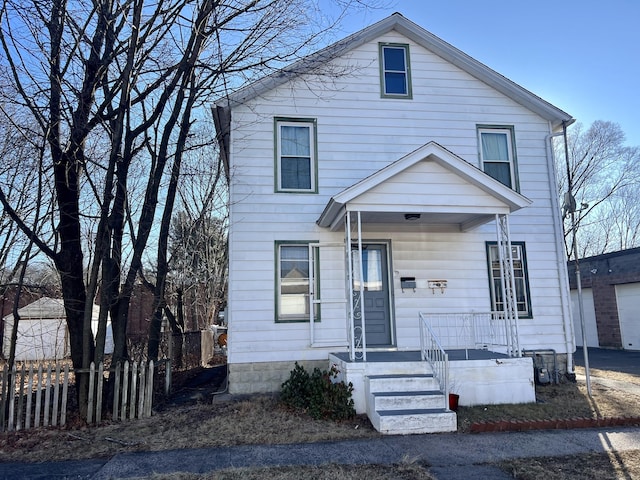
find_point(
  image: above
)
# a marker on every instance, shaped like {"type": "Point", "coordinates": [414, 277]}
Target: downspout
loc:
{"type": "Point", "coordinates": [567, 324]}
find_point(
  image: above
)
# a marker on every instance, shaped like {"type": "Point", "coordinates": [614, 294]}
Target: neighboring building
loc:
{"type": "Point", "coordinates": [42, 331]}
{"type": "Point", "coordinates": [395, 158]}
{"type": "Point", "coordinates": [611, 299]}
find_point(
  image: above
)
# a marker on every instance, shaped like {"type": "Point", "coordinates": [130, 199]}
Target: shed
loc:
{"type": "Point", "coordinates": [42, 331]}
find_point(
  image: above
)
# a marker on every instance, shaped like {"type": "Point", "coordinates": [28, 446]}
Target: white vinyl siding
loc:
{"type": "Point", "coordinates": [358, 133]}
{"type": "Point", "coordinates": [295, 155]}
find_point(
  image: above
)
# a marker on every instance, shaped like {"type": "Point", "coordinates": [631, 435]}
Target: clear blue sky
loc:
{"type": "Point", "coordinates": [583, 56]}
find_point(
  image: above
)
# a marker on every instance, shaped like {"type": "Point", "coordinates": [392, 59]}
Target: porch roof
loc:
{"type": "Point", "coordinates": [431, 181]}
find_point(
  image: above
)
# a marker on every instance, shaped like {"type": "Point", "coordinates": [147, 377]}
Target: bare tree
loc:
{"type": "Point", "coordinates": [605, 175]}
{"type": "Point", "coordinates": [198, 240]}
{"type": "Point", "coordinates": [112, 91]}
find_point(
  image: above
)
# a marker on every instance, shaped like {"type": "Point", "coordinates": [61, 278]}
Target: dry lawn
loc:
{"type": "Point", "coordinates": [593, 466]}
{"type": "Point", "coordinates": [255, 420]}
{"type": "Point", "coordinates": [261, 419]}
{"type": "Point", "coordinates": [402, 471]}
{"type": "Point", "coordinates": [566, 400]}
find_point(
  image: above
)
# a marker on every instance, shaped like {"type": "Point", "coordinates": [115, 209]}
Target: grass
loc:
{"type": "Point", "coordinates": [401, 471]}
{"type": "Point", "coordinates": [566, 400]}
{"type": "Point", "coordinates": [232, 421]}
{"type": "Point", "coordinates": [592, 466]}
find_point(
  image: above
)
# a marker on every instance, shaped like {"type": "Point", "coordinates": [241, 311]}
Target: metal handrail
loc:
{"type": "Point", "coordinates": [475, 330]}
{"type": "Point", "coordinates": [431, 351]}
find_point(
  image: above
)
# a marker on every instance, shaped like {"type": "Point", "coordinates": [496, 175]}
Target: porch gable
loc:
{"type": "Point", "coordinates": [432, 182]}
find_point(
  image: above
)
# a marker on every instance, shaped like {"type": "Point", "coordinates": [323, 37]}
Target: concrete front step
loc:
{"type": "Point", "coordinates": [407, 403]}
{"type": "Point", "coordinates": [407, 400]}
{"type": "Point", "coordinates": [403, 422]}
{"type": "Point", "coordinates": [402, 383]}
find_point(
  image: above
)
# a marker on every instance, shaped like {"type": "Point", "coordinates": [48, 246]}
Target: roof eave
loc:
{"type": "Point", "coordinates": [422, 37]}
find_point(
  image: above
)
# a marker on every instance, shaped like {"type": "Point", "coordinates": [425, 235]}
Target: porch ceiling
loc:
{"type": "Point", "coordinates": [431, 181]}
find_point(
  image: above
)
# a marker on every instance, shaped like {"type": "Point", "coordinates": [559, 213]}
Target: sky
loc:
{"type": "Point", "coordinates": [583, 56]}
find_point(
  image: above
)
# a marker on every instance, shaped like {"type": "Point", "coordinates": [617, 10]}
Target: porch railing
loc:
{"type": "Point", "coordinates": [432, 352]}
{"type": "Point", "coordinates": [475, 331]}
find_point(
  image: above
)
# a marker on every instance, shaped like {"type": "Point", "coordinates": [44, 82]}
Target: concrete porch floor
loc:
{"type": "Point", "coordinates": [414, 355]}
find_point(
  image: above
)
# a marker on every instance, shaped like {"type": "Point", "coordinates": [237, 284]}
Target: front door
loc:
{"type": "Point", "coordinates": [375, 270]}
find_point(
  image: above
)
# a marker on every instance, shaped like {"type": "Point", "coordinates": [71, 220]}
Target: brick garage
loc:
{"type": "Point", "coordinates": [602, 274]}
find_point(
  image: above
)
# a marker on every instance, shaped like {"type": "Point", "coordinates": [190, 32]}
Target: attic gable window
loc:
{"type": "Point", "coordinates": [296, 152]}
{"type": "Point", "coordinates": [498, 154]}
{"type": "Point", "coordinates": [395, 72]}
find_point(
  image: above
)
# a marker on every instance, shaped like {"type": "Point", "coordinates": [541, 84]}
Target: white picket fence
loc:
{"type": "Point", "coordinates": [38, 395]}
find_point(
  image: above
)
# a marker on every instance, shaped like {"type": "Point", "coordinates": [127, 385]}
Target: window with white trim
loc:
{"type": "Point", "coordinates": [296, 151]}
{"type": "Point", "coordinates": [497, 154]}
{"type": "Point", "coordinates": [521, 278]}
{"type": "Point", "coordinates": [292, 282]}
{"type": "Point", "coordinates": [395, 73]}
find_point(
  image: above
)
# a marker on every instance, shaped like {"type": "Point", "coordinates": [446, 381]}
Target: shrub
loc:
{"type": "Point", "coordinates": [318, 393]}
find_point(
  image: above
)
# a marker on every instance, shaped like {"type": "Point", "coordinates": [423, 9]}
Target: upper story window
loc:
{"type": "Point", "coordinates": [296, 155]}
{"type": "Point", "coordinates": [497, 154]}
{"type": "Point", "coordinates": [395, 72]}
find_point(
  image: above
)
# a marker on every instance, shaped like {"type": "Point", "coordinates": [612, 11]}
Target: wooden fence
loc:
{"type": "Point", "coordinates": [38, 395]}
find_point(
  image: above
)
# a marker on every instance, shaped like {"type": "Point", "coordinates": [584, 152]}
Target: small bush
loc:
{"type": "Point", "coordinates": [318, 393]}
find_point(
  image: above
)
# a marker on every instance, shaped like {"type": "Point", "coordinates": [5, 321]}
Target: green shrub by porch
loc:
{"type": "Point", "coordinates": [318, 394]}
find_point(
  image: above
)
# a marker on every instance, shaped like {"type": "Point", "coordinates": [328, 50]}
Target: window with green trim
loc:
{"type": "Point", "coordinates": [292, 282]}
{"type": "Point", "coordinates": [395, 71]}
{"type": "Point", "coordinates": [296, 152]}
{"type": "Point", "coordinates": [498, 154]}
{"type": "Point", "coordinates": [521, 278]}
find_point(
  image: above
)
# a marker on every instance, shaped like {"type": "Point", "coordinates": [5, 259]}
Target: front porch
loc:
{"type": "Point", "coordinates": [404, 386]}
{"type": "Point", "coordinates": [411, 401]}
{"type": "Point", "coordinates": [481, 378]}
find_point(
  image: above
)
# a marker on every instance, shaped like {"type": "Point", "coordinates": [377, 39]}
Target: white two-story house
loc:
{"type": "Point", "coordinates": [393, 211]}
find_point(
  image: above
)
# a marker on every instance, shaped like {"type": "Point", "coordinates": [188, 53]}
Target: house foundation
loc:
{"type": "Point", "coordinates": [265, 377]}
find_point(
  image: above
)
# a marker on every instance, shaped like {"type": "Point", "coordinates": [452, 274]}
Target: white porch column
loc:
{"type": "Point", "coordinates": [508, 284]}
{"type": "Point", "coordinates": [355, 342]}
{"type": "Point", "coordinates": [349, 288]}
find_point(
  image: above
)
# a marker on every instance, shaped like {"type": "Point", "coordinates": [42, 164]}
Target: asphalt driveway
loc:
{"type": "Point", "coordinates": [625, 361]}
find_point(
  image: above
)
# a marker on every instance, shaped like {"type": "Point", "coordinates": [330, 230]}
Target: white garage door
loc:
{"type": "Point", "coordinates": [628, 297]}
{"type": "Point", "coordinates": [589, 318]}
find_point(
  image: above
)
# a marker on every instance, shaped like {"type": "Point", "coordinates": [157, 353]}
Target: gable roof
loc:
{"type": "Point", "coordinates": [479, 199]}
{"type": "Point", "coordinates": [422, 37]}
{"type": "Point", "coordinates": [45, 307]}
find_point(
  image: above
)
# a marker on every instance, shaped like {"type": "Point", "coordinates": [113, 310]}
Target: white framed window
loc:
{"type": "Point", "coordinates": [521, 278]}
{"type": "Point", "coordinates": [292, 282]}
{"type": "Point", "coordinates": [395, 72]}
{"type": "Point", "coordinates": [497, 154]}
{"type": "Point", "coordinates": [296, 152]}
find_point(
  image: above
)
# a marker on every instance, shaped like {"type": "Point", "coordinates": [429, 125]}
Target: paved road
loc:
{"type": "Point", "coordinates": [451, 456]}
{"type": "Point", "coordinates": [626, 361]}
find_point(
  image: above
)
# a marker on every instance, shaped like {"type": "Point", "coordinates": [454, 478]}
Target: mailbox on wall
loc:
{"type": "Point", "coordinates": [408, 282]}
